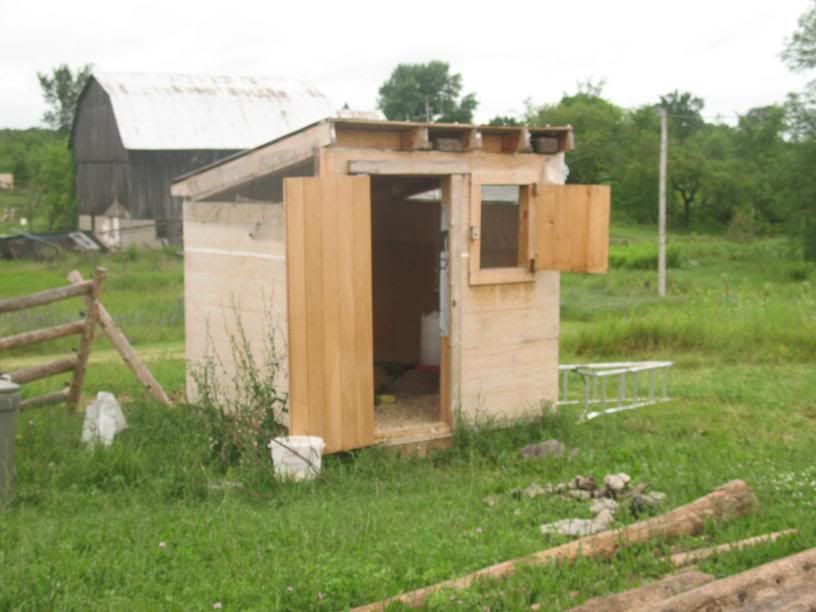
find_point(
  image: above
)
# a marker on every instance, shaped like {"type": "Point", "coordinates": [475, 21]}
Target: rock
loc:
{"type": "Point", "coordinates": [569, 527]}
{"type": "Point", "coordinates": [578, 526]}
{"type": "Point", "coordinates": [603, 520]}
{"type": "Point", "coordinates": [490, 500]}
{"type": "Point", "coordinates": [616, 483]}
{"type": "Point", "coordinates": [534, 490]}
{"type": "Point", "coordinates": [646, 502]}
{"type": "Point", "coordinates": [222, 485]}
{"type": "Point", "coordinates": [547, 448]}
{"type": "Point", "coordinates": [604, 503]}
{"type": "Point", "coordinates": [580, 494]}
{"type": "Point", "coordinates": [583, 483]}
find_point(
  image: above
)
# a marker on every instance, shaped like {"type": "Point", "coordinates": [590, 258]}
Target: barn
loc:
{"type": "Point", "coordinates": [133, 133]}
{"type": "Point", "coordinates": [418, 264]}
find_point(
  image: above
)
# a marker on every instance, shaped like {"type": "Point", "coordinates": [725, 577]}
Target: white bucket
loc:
{"type": "Point", "coordinates": [297, 457]}
{"type": "Point", "coordinates": [429, 339]}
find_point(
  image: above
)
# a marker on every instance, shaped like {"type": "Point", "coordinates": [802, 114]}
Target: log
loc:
{"type": "Point", "coordinates": [647, 594]}
{"type": "Point", "coordinates": [60, 366]}
{"type": "Point", "coordinates": [799, 598]}
{"type": "Point", "coordinates": [41, 335]}
{"type": "Point", "coordinates": [692, 556]}
{"type": "Point", "coordinates": [85, 342]}
{"type": "Point", "coordinates": [45, 297]}
{"type": "Point", "coordinates": [45, 400]}
{"type": "Point", "coordinates": [731, 500]}
{"type": "Point", "coordinates": [764, 583]}
{"type": "Point", "coordinates": [121, 344]}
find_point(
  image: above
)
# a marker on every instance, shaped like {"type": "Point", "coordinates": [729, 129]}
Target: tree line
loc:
{"type": "Point", "coordinates": [748, 177]}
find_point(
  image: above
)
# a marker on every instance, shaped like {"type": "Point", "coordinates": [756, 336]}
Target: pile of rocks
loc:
{"type": "Point", "coordinates": [604, 500]}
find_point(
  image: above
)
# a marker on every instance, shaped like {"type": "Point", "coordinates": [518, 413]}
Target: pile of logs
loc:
{"type": "Point", "coordinates": [788, 580]}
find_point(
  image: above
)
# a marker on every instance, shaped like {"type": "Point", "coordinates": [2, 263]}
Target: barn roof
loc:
{"type": "Point", "coordinates": [180, 111]}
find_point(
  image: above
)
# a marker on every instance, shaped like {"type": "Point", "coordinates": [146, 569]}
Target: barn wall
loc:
{"type": "Point", "coordinates": [234, 276]}
{"type": "Point", "coordinates": [138, 180]}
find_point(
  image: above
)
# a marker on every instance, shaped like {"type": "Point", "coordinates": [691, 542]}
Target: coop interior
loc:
{"type": "Point", "coordinates": [406, 247]}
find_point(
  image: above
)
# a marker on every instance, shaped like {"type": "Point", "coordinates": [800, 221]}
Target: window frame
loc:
{"type": "Point", "coordinates": [524, 272]}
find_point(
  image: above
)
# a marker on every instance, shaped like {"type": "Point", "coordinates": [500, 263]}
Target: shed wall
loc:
{"type": "Point", "coordinates": [504, 338]}
{"type": "Point", "coordinates": [234, 278]}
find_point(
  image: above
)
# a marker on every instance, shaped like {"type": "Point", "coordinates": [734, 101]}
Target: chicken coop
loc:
{"type": "Point", "coordinates": [410, 272]}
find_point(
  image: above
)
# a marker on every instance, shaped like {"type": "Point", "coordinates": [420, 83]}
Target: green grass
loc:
{"type": "Point", "coordinates": [84, 528]}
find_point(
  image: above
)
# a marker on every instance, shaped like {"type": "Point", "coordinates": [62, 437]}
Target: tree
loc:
{"type": "Point", "coordinates": [61, 89]}
{"type": "Point", "coordinates": [684, 113]}
{"type": "Point", "coordinates": [426, 92]}
{"type": "Point", "coordinates": [55, 184]}
{"type": "Point", "coordinates": [505, 120]}
{"type": "Point", "coordinates": [800, 55]}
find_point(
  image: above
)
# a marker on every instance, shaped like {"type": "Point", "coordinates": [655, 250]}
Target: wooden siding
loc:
{"type": "Point", "coordinates": [234, 272]}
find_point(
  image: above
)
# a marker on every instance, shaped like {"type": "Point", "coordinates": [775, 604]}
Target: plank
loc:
{"type": "Point", "coordinates": [330, 284]}
{"type": "Point", "coordinates": [407, 167]}
{"type": "Point", "coordinates": [286, 151]}
{"type": "Point", "coordinates": [572, 227]}
{"type": "Point", "coordinates": [363, 311]}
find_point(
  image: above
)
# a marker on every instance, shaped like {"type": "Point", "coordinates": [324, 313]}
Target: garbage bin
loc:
{"type": "Point", "coordinates": [9, 401]}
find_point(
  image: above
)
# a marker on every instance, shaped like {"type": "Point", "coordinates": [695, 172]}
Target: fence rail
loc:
{"type": "Point", "coordinates": [84, 328]}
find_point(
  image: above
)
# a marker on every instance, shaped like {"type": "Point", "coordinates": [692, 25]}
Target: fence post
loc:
{"type": "Point", "coordinates": [75, 391]}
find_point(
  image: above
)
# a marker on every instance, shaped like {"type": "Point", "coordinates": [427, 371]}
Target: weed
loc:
{"type": "Point", "coordinates": [243, 415]}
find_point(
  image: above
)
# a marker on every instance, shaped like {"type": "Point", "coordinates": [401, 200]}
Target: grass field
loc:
{"type": "Point", "coordinates": [141, 526]}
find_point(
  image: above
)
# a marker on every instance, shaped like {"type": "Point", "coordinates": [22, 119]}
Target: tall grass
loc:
{"type": "Point", "coordinates": [742, 326]}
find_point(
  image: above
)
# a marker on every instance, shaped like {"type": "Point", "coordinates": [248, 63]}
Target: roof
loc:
{"type": "Point", "coordinates": [179, 111]}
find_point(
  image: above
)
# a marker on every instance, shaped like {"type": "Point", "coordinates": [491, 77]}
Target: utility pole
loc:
{"type": "Point", "coordinates": [661, 216]}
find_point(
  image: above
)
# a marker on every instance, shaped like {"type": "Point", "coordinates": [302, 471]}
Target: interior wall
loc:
{"type": "Point", "coordinates": [405, 247]}
{"type": "Point", "coordinates": [500, 235]}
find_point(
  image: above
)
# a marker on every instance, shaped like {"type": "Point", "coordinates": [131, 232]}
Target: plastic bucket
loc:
{"type": "Point", "coordinates": [297, 457]}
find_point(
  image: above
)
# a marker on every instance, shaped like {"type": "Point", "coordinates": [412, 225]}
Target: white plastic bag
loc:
{"type": "Point", "coordinates": [103, 420]}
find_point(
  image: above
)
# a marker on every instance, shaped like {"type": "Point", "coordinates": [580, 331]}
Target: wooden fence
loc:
{"type": "Point", "coordinates": [85, 328]}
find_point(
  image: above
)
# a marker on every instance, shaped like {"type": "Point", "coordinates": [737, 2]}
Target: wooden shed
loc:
{"type": "Point", "coordinates": [134, 132]}
{"type": "Point", "coordinates": [417, 261]}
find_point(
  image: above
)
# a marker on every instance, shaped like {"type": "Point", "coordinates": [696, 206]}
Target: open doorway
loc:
{"type": "Point", "coordinates": [408, 286]}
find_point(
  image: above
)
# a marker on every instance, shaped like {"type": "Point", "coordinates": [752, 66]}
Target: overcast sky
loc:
{"type": "Point", "coordinates": [725, 51]}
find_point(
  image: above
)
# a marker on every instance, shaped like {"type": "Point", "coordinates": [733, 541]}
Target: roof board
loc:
{"type": "Point", "coordinates": [178, 111]}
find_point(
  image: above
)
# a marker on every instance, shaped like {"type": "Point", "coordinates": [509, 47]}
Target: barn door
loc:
{"type": "Point", "coordinates": [331, 360]}
{"type": "Point", "coordinates": [571, 227]}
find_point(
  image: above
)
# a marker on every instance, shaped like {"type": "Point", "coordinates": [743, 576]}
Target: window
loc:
{"type": "Point", "coordinates": [500, 234]}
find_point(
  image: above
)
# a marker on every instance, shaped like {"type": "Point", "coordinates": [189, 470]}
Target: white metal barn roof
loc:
{"type": "Point", "coordinates": [179, 111]}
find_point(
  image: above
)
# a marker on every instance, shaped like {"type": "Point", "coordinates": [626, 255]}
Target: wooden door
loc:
{"type": "Point", "coordinates": [331, 356]}
{"type": "Point", "coordinates": [572, 227]}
